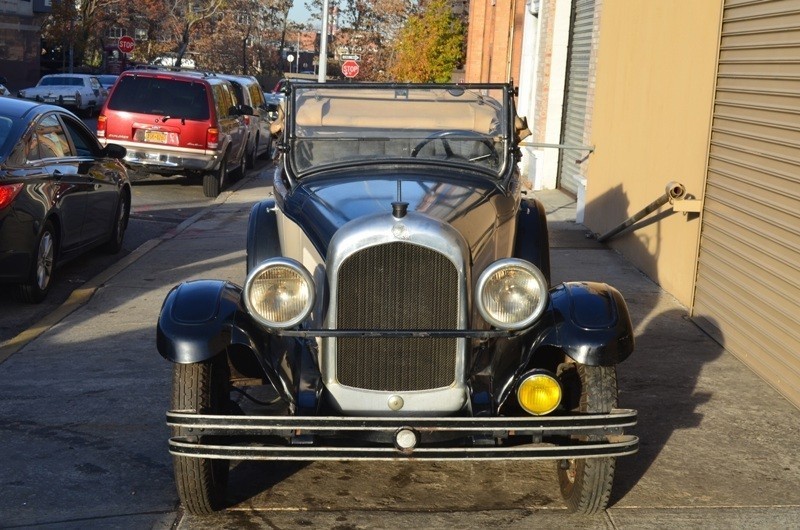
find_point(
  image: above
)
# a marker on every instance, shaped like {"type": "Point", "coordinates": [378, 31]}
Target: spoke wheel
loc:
{"type": "Point", "coordinates": [35, 289]}
{"type": "Point", "coordinates": [201, 388]}
{"type": "Point", "coordinates": [586, 483]}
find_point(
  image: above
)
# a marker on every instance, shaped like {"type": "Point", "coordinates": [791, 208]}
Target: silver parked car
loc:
{"type": "Point", "coordinates": [259, 139]}
{"type": "Point", "coordinates": [81, 93]}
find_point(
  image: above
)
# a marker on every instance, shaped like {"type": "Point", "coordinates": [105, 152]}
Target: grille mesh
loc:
{"type": "Point", "coordinates": [397, 286]}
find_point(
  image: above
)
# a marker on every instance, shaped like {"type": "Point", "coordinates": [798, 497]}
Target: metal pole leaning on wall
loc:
{"type": "Point", "coordinates": [674, 191]}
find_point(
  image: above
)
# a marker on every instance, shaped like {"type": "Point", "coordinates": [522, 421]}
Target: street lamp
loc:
{"type": "Point", "coordinates": [323, 44]}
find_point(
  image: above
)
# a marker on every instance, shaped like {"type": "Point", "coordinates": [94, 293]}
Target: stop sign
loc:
{"type": "Point", "coordinates": [126, 44]}
{"type": "Point", "coordinates": [350, 68]}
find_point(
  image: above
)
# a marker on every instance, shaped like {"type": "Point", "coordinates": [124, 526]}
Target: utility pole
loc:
{"type": "Point", "coordinates": [323, 44]}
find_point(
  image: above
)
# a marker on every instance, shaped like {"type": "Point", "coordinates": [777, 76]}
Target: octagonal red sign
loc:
{"type": "Point", "coordinates": [350, 68]}
{"type": "Point", "coordinates": [126, 44]}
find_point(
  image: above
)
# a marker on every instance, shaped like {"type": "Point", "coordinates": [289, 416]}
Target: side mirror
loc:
{"type": "Point", "coordinates": [241, 110]}
{"type": "Point", "coordinates": [115, 151]}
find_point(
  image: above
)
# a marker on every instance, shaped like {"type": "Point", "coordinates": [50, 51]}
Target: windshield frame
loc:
{"type": "Point", "coordinates": [502, 103]}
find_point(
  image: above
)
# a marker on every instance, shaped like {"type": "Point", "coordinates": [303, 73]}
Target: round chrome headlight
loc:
{"type": "Point", "coordinates": [279, 293]}
{"type": "Point", "coordinates": [511, 293]}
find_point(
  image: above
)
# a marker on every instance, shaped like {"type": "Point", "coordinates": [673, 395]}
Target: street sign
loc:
{"type": "Point", "coordinates": [350, 68]}
{"type": "Point", "coordinates": [126, 44]}
{"type": "Point", "coordinates": [351, 56]}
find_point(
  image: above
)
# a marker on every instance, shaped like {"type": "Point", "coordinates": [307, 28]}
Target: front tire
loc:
{"type": "Point", "coordinates": [240, 171]}
{"type": "Point", "coordinates": [201, 388]}
{"type": "Point", "coordinates": [38, 285]}
{"type": "Point", "coordinates": [252, 155]}
{"type": "Point", "coordinates": [586, 483]}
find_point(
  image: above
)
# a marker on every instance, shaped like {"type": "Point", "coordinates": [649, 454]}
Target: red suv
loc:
{"type": "Point", "coordinates": [177, 123]}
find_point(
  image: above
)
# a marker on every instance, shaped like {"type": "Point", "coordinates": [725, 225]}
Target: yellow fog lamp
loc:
{"type": "Point", "coordinates": [539, 393]}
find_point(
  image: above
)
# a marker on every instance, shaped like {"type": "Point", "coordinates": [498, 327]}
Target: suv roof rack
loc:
{"type": "Point", "coordinates": [181, 69]}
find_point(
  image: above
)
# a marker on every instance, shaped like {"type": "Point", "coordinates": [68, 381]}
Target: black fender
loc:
{"type": "Point", "coordinates": [532, 242]}
{"type": "Point", "coordinates": [262, 234]}
{"type": "Point", "coordinates": [201, 319]}
{"type": "Point", "coordinates": [196, 320]}
{"type": "Point", "coordinates": [590, 323]}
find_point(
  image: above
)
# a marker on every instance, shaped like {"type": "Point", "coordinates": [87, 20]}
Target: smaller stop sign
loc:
{"type": "Point", "coordinates": [350, 68]}
{"type": "Point", "coordinates": [126, 44]}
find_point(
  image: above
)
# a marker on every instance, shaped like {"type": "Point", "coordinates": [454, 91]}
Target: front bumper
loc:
{"type": "Point", "coordinates": [342, 438]}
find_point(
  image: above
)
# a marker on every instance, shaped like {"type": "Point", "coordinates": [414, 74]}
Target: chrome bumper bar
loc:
{"type": "Point", "coordinates": [315, 438]}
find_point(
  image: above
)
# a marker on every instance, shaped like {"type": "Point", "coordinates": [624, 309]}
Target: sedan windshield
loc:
{"type": "Point", "coordinates": [459, 125]}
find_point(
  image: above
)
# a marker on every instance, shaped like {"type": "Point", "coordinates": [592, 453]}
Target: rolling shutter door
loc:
{"type": "Point", "coordinates": [576, 97]}
{"type": "Point", "coordinates": [747, 293]}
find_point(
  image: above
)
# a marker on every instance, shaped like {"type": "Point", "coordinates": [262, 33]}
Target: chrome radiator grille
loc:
{"type": "Point", "coordinates": [397, 286]}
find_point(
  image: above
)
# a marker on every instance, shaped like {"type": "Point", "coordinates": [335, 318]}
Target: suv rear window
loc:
{"type": "Point", "coordinates": [165, 97]}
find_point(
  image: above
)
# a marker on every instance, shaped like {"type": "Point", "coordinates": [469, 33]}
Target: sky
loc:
{"type": "Point", "coordinates": [299, 13]}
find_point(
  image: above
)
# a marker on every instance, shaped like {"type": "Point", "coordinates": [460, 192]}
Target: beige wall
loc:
{"type": "Point", "coordinates": [656, 69]}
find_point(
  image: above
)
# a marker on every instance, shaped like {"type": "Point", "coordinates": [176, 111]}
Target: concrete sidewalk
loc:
{"type": "Point", "coordinates": [83, 439]}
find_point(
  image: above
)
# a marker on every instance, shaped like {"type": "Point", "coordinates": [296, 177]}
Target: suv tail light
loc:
{"type": "Point", "coordinates": [101, 126]}
{"type": "Point", "coordinates": [212, 138]}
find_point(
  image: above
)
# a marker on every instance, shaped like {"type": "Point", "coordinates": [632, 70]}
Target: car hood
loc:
{"type": "Point", "coordinates": [476, 207]}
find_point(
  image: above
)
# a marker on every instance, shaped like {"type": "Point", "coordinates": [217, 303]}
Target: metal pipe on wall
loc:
{"type": "Point", "coordinates": [673, 191]}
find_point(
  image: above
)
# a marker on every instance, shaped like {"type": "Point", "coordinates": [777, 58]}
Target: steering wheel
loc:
{"type": "Point", "coordinates": [448, 150]}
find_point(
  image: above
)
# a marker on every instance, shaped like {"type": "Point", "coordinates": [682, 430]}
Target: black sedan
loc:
{"type": "Point", "coordinates": [61, 194]}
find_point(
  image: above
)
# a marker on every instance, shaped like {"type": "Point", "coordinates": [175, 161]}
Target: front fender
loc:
{"type": "Point", "coordinates": [196, 320]}
{"type": "Point", "coordinates": [586, 320]}
{"type": "Point", "coordinates": [590, 323]}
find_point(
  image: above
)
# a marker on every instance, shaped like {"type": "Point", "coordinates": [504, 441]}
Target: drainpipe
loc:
{"type": "Point", "coordinates": [511, 8]}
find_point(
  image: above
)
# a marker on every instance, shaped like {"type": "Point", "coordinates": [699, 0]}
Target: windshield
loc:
{"type": "Point", "coordinates": [463, 125]}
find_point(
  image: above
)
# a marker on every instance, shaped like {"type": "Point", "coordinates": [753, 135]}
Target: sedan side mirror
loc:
{"type": "Point", "coordinates": [115, 151]}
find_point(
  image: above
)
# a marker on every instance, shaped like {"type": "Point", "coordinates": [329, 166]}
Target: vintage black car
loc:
{"type": "Point", "coordinates": [397, 306]}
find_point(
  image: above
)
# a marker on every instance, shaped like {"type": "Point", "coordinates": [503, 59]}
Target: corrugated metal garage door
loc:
{"type": "Point", "coordinates": [748, 282]}
{"type": "Point", "coordinates": [576, 97]}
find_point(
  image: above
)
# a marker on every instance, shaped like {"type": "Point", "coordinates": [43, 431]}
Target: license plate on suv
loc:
{"type": "Point", "coordinates": [156, 137]}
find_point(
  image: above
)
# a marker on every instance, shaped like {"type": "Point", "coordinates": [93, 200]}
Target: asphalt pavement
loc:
{"type": "Point", "coordinates": [83, 395]}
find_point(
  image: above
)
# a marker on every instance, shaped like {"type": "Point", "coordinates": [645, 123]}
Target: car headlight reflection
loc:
{"type": "Point", "coordinates": [279, 293]}
{"type": "Point", "coordinates": [511, 293]}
